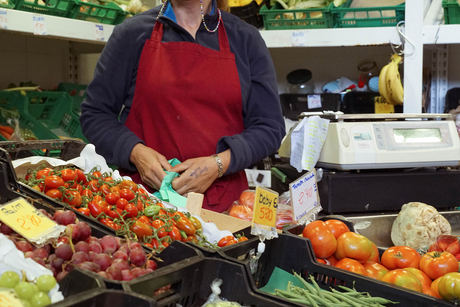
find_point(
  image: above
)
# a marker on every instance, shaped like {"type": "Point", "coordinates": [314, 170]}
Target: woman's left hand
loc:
{"type": "Point", "coordinates": [197, 175]}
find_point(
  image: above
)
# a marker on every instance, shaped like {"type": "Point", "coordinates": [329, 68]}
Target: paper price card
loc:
{"type": "Point", "coordinates": [265, 206]}
{"type": "Point", "coordinates": [3, 19]}
{"type": "Point", "coordinates": [304, 196]}
{"type": "Point", "coordinates": [39, 24]}
{"type": "Point", "coordinates": [99, 32]}
{"type": "Point", "coordinates": [298, 38]}
{"type": "Point", "coordinates": [26, 220]}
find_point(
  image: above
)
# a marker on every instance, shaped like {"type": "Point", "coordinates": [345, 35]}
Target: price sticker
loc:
{"type": "Point", "coordinates": [99, 30]}
{"type": "Point", "coordinates": [26, 220]}
{"type": "Point", "coordinates": [265, 206]}
{"type": "Point", "coordinates": [298, 38]}
{"type": "Point", "coordinates": [314, 101]}
{"type": "Point", "coordinates": [3, 19]}
{"type": "Point", "coordinates": [304, 195]}
{"type": "Point", "coordinates": [39, 24]}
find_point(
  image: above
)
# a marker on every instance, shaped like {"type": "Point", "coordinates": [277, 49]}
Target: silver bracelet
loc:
{"type": "Point", "coordinates": [220, 166]}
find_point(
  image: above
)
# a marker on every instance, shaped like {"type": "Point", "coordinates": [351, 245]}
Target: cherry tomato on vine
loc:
{"type": "Point", "coordinates": [175, 234]}
{"type": "Point", "coordinates": [112, 198]}
{"type": "Point", "coordinates": [87, 193]}
{"type": "Point", "coordinates": [93, 185]}
{"type": "Point", "coordinates": [131, 210]}
{"type": "Point", "coordinates": [68, 174]}
{"type": "Point", "coordinates": [96, 174]}
{"type": "Point", "coordinates": [54, 193]}
{"type": "Point", "coordinates": [105, 189]}
{"type": "Point", "coordinates": [53, 182]}
{"type": "Point", "coordinates": [121, 203]}
{"type": "Point", "coordinates": [81, 177]}
{"type": "Point", "coordinates": [84, 210]}
{"type": "Point", "coordinates": [73, 198]}
{"type": "Point", "coordinates": [127, 194]}
{"type": "Point", "coordinates": [227, 240]}
{"type": "Point", "coordinates": [43, 173]}
{"type": "Point", "coordinates": [141, 229]}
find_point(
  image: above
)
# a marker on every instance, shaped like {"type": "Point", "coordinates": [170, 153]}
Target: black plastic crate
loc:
{"type": "Point", "coordinates": [294, 254]}
{"type": "Point", "coordinates": [63, 149]}
{"type": "Point", "coordinates": [106, 298]}
{"type": "Point", "coordinates": [294, 104]}
{"type": "Point", "coordinates": [249, 13]}
{"type": "Point", "coordinates": [189, 284]}
{"type": "Point", "coordinates": [362, 103]}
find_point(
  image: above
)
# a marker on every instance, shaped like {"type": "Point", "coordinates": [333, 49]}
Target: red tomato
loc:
{"type": "Point", "coordinates": [175, 234]}
{"type": "Point", "coordinates": [158, 224]}
{"type": "Point", "coordinates": [356, 246]}
{"type": "Point", "coordinates": [121, 203]}
{"type": "Point", "coordinates": [113, 214]}
{"type": "Point", "coordinates": [69, 174]}
{"type": "Point", "coordinates": [127, 194]}
{"type": "Point", "coordinates": [140, 205]}
{"type": "Point", "coordinates": [54, 193]}
{"type": "Point", "coordinates": [436, 264]}
{"type": "Point", "coordinates": [43, 173]}
{"type": "Point", "coordinates": [247, 198]}
{"type": "Point", "coordinates": [141, 229]}
{"type": "Point", "coordinates": [97, 174]}
{"type": "Point", "coordinates": [112, 198]}
{"type": "Point", "coordinates": [105, 189]}
{"type": "Point", "coordinates": [81, 178]}
{"type": "Point", "coordinates": [129, 184]}
{"type": "Point", "coordinates": [336, 227]}
{"type": "Point", "coordinates": [84, 210]}
{"type": "Point", "coordinates": [93, 185]}
{"type": "Point", "coordinates": [110, 223]}
{"type": "Point", "coordinates": [351, 265]}
{"type": "Point", "coordinates": [87, 193]}
{"type": "Point", "coordinates": [400, 257]}
{"type": "Point", "coordinates": [323, 241]}
{"type": "Point", "coordinates": [53, 182]}
{"type": "Point", "coordinates": [131, 210]}
{"type": "Point", "coordinates": [375, 270]}
{"type": "Point", "coordinates": [73, 198]}
{"type": "Point", "coordinates": [108, 179]}
{"type": "Point", "coordinates": [425, 281]}
{"type": "Point", "coordinates": [94, 209]}
{"type": "Point", "coordinates": [403, 278]}
{"type": "Point", "coordinates": [225, 241]}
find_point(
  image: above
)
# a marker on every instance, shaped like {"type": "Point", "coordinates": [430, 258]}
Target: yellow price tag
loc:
{"type": "Point", "coordinates": [9, 299]}
{"type": "Point", "coordinates": [265, 206]}
{"type": "Point", "coordinates": [25, 219]}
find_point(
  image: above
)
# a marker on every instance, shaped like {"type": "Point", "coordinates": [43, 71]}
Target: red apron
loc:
{"type": "Point", "coordinates": [187, 97]}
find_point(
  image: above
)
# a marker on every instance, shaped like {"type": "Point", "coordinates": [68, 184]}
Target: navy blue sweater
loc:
{"type": "Point", "coordinates": [110, 94]}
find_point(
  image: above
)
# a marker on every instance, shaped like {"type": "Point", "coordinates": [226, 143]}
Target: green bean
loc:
{"type": "Point", "coordinates": [352, 301]}
{"type": "Point", "coordinates": [288, 294]}
{"type": "Point", "coordinates": [307, 285]}
{"type": "Point", "coordinates": [313, 281]}
{"type": "Point", "coordinates": [379, 300]}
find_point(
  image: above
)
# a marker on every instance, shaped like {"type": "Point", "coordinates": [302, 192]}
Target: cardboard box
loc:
{"type": "Point", "coordinates": [224, 221]}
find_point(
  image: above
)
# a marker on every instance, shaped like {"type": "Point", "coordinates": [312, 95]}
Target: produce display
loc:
{"type": "Point", "coordinates": [109, 256]}
{"type": "Point", "coordinates": [306, 4]}
{"type": "Point", "coordinates": [403, 266]}
{"type": "Point", "coordinates": [119, 204]}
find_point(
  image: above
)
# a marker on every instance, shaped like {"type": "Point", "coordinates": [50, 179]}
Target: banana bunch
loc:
{"type": "Point", "coordinates": [390, 86]}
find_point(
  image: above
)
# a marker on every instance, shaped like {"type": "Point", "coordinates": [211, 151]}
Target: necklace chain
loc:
{"type": "Point", "coordinates": [202, 16]}
{"type": "Point", "coordinates": [204, 23]}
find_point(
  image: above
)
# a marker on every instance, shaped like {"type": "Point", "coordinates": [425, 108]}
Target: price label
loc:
{"type": "Point", "coordinates": [9, 299]}
{"type": "Point", "coordinates": [298, 38]}
{"type": "Point", "coordinates": [265, 206]}
{"type": "Point", "coordinates": [26, 220]}
{"type": "Point", "coordinates": [304, 195]}
{"type": "Point", "coordinates": [3, 19]}
{"type": "Point", "coordinates": [39, 24]}
{"type": "Point", "coordinates": [314, 101]}
{"type": "Point", "coordinates": [99, 32]}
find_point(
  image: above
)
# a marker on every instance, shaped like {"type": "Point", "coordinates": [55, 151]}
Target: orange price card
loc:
{"type": "Point", "coordinates": [26, 220]}
{"type": "Point", "coordinates": [265, 206]}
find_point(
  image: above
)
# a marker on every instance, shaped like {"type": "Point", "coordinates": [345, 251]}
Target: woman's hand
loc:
{"type": "Point", "coordinates": [150, 165]}
{"type": "Point", "coordinates": [198, 174]}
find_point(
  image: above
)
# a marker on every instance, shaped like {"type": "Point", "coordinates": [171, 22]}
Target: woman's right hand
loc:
{"type": "Point", "coordinates": [150, 164]}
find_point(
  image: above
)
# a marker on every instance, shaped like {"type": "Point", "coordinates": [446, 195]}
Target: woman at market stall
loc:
{"type": "Point", "coordinates": [186, 80]}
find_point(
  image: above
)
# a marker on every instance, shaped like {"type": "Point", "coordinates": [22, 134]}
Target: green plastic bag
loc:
{"type": "Point", "coordinates": [166, 192]}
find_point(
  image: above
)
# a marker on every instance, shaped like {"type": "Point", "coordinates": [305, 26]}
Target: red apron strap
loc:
{"type": "Point", "coordinates": [157, 32]}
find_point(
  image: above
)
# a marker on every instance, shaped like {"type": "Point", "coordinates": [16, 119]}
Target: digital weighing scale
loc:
{"type": "Point", "coordinates": [378, 162]}
{"type": "Point", "coordinates": [382, 141]}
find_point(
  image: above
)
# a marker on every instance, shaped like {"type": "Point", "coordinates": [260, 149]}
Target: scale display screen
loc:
{"type": "Point", "coordinates": [417, 135]}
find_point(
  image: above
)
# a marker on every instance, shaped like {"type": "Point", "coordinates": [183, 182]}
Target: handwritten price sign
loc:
{"type": "Point", "coordinates": [25, 219]}
{"type": "Point", "coordinates": [9, 299]}
{"type": "Point", "coordinates": [304, 195]}
{"type": "Point", "coordinates": [265, 206]}
{"type": "Point", "coordinates": [39, 24]}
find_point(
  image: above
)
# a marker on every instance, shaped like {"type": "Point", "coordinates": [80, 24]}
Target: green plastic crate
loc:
{"type": "Point", "coordinates": [76, 91]}
{"type": "Point", "coordinates": [48, 7]}
{"type": "Point", "coordinates": [451, 11]}
{"type": "Point", "coordinates": [13, 105]}
{"type": "Point", "coordinates": [109, 13]}
{"type": "Point", "coordinates": [379, 16]}
{"type": "Point", "coordinates": [277, 18]}
{"type": "Point", "coordinates": [9, 4]}
{"type": "Point", "coordinates": [54, 110]}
